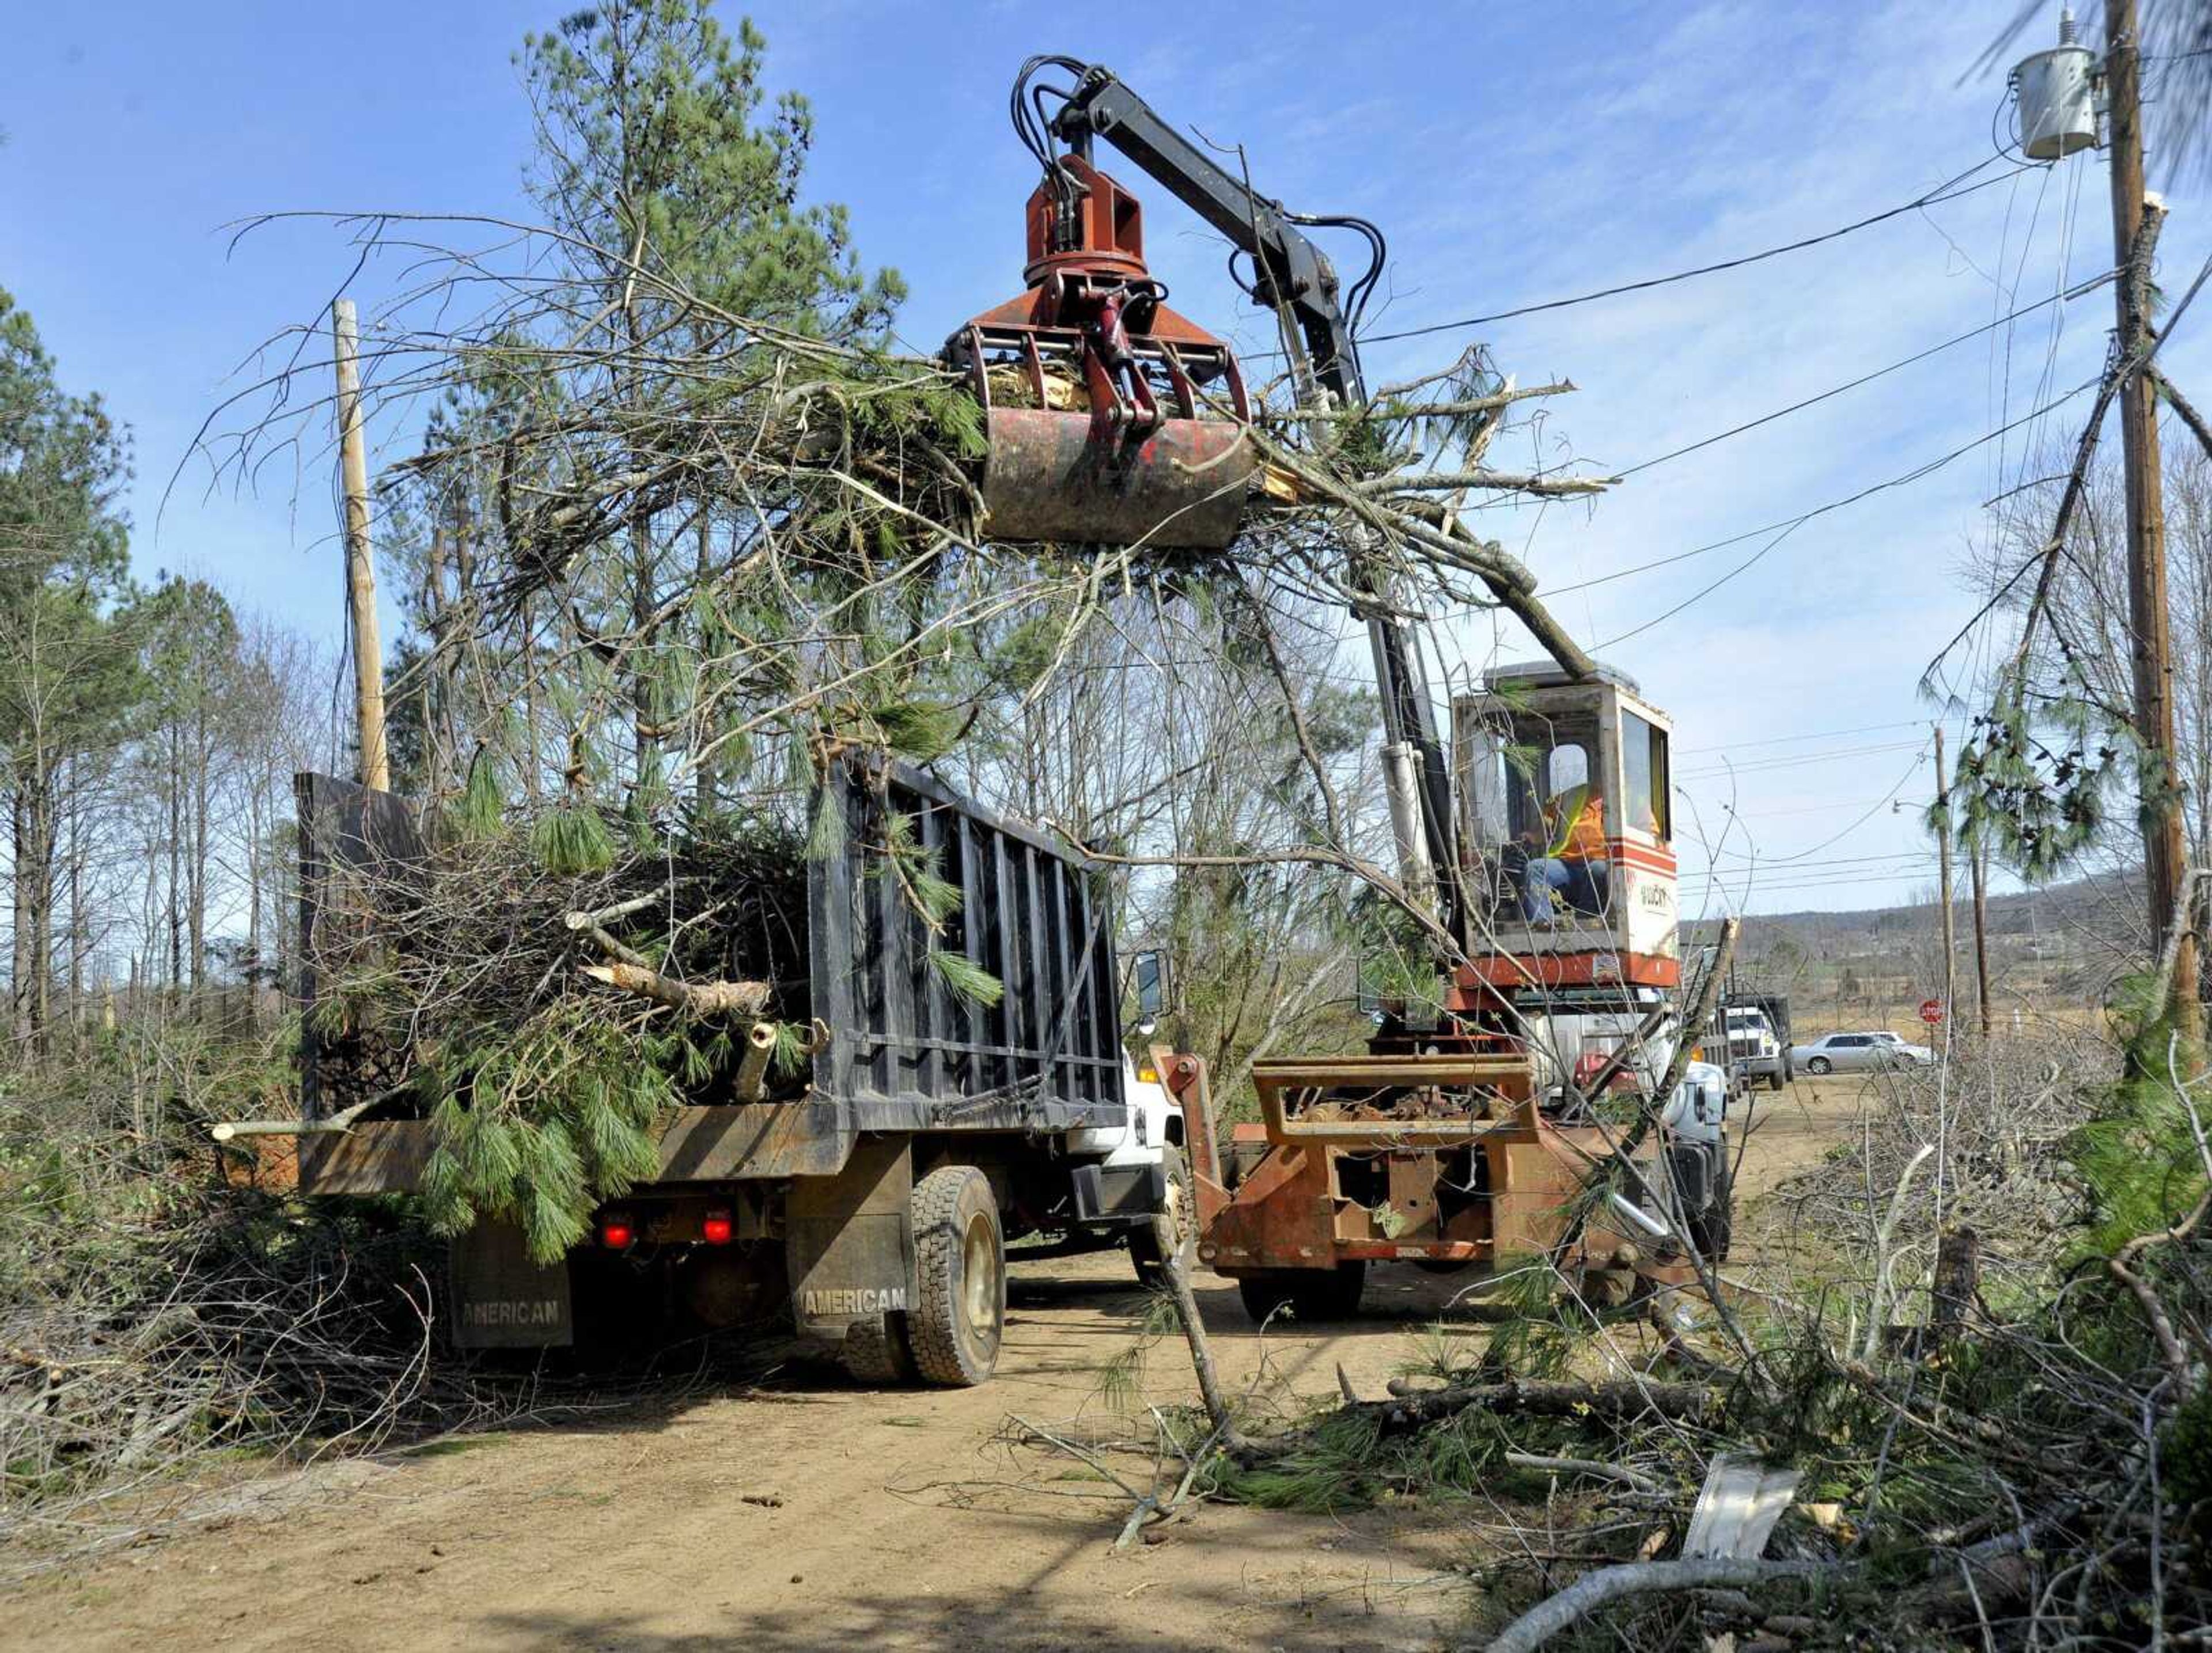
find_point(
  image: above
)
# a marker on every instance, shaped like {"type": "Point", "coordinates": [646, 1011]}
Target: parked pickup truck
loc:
{"type": "Point", "coordinates": [877, 1207]}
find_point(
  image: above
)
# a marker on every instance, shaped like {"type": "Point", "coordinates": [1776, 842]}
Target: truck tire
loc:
{"type": "Point", "coordinates": [874, 1351]}
{"type": "Point", "coordinates": [1776, 1079]}
{"type": "Point", "coordinates": [1182, 1223]}
{"type": "Point", "coordinates": [1311, 1294]}
{"type": "Point", "coordinates": [959, 1312]}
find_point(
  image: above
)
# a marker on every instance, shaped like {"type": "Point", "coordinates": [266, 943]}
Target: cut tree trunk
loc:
{"type": "Point", "coordinates": [1958, 1281]}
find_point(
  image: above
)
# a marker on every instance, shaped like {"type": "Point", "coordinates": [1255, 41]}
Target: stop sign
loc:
{"type": "Point", "coordinates": [1931, 1010]}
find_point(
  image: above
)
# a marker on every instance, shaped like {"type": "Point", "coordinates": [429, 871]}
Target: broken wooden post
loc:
{"type": "Point", "coordinates": [1958, 1283]}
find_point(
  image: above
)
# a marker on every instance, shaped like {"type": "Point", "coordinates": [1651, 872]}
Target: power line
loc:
{"type": "Point", "coordinates": [1782, 530]}
{"type": "Point", "coordinates": [1807, 854]}
{"type": "Point", "coordinates": [1759, 764]}
{"type": "Point", "coordinates": [1751, 862]}
{"type": "Point", "coordinates": [1778, 740]}
{"type": "Point", "coordinates": [1806, 809]}
{"type": "Point", "coordinates": [1942, 193]}
{"type": "Point", "coordinates": [2075, 292]}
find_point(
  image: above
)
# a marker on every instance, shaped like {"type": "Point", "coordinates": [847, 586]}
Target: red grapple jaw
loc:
{"type": "Point", "coordinates": [1111, 419]}
{"type": "Point", "coordinates": [1049, 477]}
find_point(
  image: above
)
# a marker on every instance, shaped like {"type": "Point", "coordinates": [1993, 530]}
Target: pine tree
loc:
{"type": "Point", "coordinates": [657, 159]}
{"type": "Point", "coordinates": [64, 675]}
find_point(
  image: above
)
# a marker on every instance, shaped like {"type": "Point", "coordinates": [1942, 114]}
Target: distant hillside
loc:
{"type": "Point", "coordinates": [2055, 949]}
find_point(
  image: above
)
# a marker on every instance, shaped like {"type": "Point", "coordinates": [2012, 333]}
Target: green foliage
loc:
{"type": "Point", "coordinates": [933, 897]}
{"type": "Point", "coordinates": [2186, 1449]}
{"type": "Point", "coordinates": [542, 1124]}
{"type": "Point", "coordinates": [1532, 1340]}
{"type": "Point", "coordinates": [2033, 776]}
{"type": "Point", "coordinates": [655, 138]}
{"type": "Point", "coordinates": [825, 836]}
{"type": "Point", "coordinates": [922, 730]}
{"type": "Point", "coordinates": [1336, 1466]}
{"type": "Point", "coordinates": [479, 811]}
{"type": "Point", "coordinates": [2138, 1158]}
{"type": "Point", "coordinates": [571, 840]}
{"type": "Point", "coordinates": [1342, 1460]}
{"type": "Point", "coordinates": [966, 978]}
{"type": "Point", "coordinates": [794, 1045]}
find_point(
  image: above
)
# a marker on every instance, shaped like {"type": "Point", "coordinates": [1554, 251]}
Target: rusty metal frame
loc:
{"type": "Point", "coordinates": [1290, 1209]}
{"type": "Point", "coordinates": [1507, 1078]}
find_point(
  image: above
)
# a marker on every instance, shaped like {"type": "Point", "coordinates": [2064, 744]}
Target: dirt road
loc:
{"type": "Point", "coordinates": [798, 1512]}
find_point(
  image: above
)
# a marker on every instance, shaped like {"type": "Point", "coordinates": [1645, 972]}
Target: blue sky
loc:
{"type": "Point", "coordinates": [1511, 156]}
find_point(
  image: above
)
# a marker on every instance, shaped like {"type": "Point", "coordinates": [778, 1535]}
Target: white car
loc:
{"type": "Point", "coordinates": [1859, 1052]}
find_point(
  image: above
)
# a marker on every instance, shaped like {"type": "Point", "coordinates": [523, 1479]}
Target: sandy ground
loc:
{"type": "Point", "coordinates": [799, 1512]}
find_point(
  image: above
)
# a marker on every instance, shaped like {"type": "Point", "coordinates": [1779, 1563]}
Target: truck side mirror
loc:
{"type": "Point", "coordinates": [1368, 998]}
{"type": "Point", "coordinates": [1149, 972]}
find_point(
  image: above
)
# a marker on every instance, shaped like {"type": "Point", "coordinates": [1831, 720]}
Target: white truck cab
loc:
{"type": "Point", "coordinates": [1147, 1147]}
{"type": "Point", "coordinates": [1154, 1126]}
{"type": "Point", "coordinates": [1753, 1051]}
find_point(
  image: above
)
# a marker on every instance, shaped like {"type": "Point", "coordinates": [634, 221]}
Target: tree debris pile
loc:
{"type": "Point", "coordinates": [1993, 1421]}
{"type": "Point", "coordinates": [150, 1311]}
{"type": "Point", "coordinates": [544, 987]}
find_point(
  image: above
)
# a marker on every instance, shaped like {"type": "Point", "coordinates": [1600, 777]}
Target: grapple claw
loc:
{"type": "Point", "coordinates": [1050, 476]}
{"type": "Point", "coordinates": [1099, 430]}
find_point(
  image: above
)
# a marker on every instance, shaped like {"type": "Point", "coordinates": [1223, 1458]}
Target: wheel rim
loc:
{"type": "Point", "coordinates": [979, 1270]}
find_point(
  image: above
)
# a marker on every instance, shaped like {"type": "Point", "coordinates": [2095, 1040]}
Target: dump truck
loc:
{"type": "Point", "coordinates": [875, 1208]}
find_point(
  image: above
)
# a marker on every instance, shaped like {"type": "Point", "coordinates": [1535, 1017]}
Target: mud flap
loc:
{"type": "Point", "coordinates": [1694, 1167]}
{"type": "Point", "coordinates": [1122, 1195]}
{"type": "Point", "coordinates": [501, 1299]}
{"type": "Point", "coordinates": [849, 1242]}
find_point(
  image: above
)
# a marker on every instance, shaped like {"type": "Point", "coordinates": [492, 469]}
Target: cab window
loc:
{"type": "Point", "coordinates": [1547, 762]}
{"type": "Point", "coordinates": [1643, 777]}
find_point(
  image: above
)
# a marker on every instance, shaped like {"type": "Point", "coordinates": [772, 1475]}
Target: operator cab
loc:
{"type": "Point", "coordinates": [1566, 804]}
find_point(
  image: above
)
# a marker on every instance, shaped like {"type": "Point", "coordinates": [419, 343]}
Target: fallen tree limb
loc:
{"type": "Point", "coordinates": [2181, 405]}
{"type": "Point", "coordinates": [1612, 1402]}
{"type": "Point", "coordinates": [336, 1125]}
{"type": "Point", "coordinates": [1442, 481]}
{"type": "Point", "coordinates": [1595, 1589]}
{"type": "Point", "coordinates": [1590, 1466]}
{"type": "Point", "coordinates": [609, 915]}
{"type": "Point", "coordinates": [1176, 1275]}
{"type": "Point", "coordinates": [695, 999]}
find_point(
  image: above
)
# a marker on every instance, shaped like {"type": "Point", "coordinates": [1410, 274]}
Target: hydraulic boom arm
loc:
{"type": "Point", "coordinates": [1292, 272]}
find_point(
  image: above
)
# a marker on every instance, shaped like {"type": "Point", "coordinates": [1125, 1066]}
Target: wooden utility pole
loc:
{"type": "Point", "coordinates": [1978, 869]}
{"type": "Point", "coordinates": [2165, 853]}
{"type": "Point", "coordinates": [1943, 860]}
{"type": "Point", "coordinates": [360, 574]}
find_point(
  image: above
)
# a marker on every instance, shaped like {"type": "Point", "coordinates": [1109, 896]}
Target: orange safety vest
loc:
{"type": "Point", "coordinates": [1584, 836]}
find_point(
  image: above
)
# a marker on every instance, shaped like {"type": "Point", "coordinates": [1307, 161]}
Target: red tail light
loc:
{"type": "Point", "coordinates": [617, 1235]}
{"type": "Point", "coordinates": [717, 1229]}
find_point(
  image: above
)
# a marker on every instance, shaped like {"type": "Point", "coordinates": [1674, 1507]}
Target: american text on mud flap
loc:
{"type": "Point", "coordinates": [856, 1300]}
